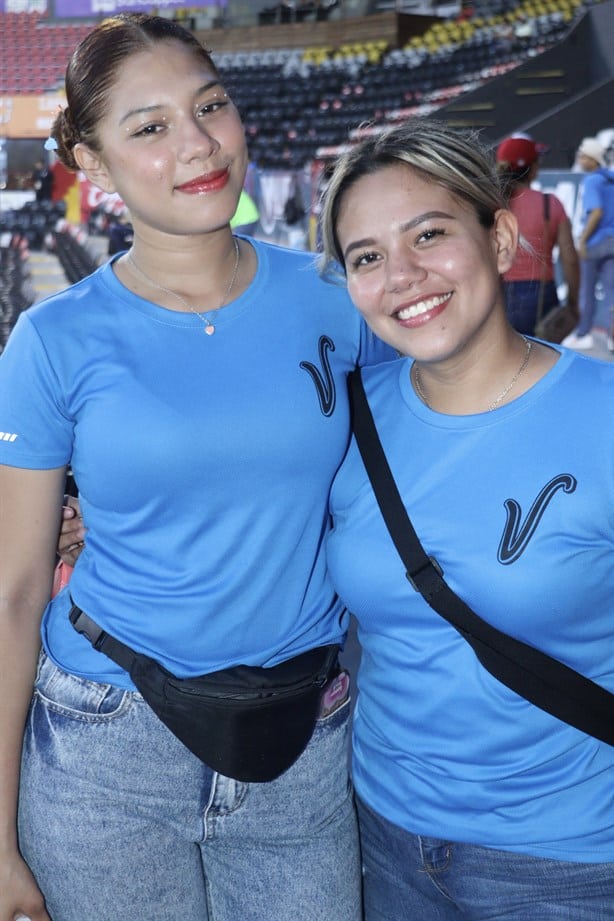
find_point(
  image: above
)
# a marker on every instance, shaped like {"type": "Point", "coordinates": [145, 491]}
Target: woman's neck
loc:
{"type": "Point", "coordinates": [483, 379]}
{"type": "Point", "coordinates": [192, 277]}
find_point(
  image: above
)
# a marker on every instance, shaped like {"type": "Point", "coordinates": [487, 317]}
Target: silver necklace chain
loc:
{"type": "Point", "coordinates": [209, 326]}
{"type": "Point", "coordinates": [502, 395]}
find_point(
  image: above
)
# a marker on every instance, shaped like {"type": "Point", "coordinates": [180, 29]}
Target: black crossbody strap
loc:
{"type": "Point", "coordinates": [534, 675]}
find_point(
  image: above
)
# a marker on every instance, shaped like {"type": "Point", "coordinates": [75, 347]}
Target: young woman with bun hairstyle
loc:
{"type": "Point", "coordinates": [196, 387]}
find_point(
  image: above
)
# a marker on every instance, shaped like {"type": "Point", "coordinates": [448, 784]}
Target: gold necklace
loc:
{"type": "Point", "coordinates": [504, 393]}
{"type": "Point", "coordinates": [209, 327]}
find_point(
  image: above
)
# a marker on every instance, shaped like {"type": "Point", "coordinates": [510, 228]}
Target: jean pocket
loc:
{"type": "Point", "coordinates": [78, 698]}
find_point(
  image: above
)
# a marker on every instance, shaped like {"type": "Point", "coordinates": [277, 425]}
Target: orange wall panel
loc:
{"type": "Point", "coordinates": [28, 116]}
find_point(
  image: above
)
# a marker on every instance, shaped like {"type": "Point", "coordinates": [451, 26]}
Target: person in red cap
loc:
{"type": "Point", "coordinates": [530, 288]}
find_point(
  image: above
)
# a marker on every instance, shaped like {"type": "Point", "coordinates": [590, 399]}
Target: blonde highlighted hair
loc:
{"type": "Point", "coordinates": [455, 160]}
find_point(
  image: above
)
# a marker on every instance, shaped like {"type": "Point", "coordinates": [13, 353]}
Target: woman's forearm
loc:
{"type": "Point", "coordinates": [30, 508]}
{"type": "Point", "coordinates": [19, 646]}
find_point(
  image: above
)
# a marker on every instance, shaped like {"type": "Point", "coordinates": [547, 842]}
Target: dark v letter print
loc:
{"type": "Point", "coordinates": [323, 379]}
{"type": "Point", "coordinates": [517, 534]}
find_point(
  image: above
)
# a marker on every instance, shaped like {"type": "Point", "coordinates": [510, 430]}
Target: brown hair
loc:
{"type": "Point", "coordinates": [92, 72]}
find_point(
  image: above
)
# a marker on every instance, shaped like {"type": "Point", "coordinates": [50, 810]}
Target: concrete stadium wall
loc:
{"type": "Point", "coordinates": [395, 28]}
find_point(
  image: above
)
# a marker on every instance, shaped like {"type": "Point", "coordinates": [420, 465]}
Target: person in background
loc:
{"type": "Point", "coordinates": [42, 181]}
{"type": "Point", "coordinates": [530, 285]}
{"type": "Point", "coordinates": [596, 243]}
{"type": "Point", "coordinates": [474, 804]}
{"type": "Point", "coordinates": [196, 387]}
{"type": "Point", "coordinates": [121, 233]}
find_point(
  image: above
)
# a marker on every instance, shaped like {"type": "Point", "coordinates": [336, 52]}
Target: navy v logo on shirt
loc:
{"type": "Point", "coordinates": [516, 533]}
{"type": "Point", "coordinates": [323, 379]}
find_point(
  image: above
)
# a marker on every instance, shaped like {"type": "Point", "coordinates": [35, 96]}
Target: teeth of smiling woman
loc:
{"type": "Point", "coordinates": [408, 313]}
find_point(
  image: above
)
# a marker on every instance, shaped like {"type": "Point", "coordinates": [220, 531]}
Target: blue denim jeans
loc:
{"type": "Point", "coordinates": [118, 820]}
{"type": "Point", "coordinates": [592, 271]}
{"type": "Point", "coordinates": [413, 878]}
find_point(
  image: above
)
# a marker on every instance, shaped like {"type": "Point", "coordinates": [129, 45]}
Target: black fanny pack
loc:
{"type": "Point", "coordinates": [246, 722]}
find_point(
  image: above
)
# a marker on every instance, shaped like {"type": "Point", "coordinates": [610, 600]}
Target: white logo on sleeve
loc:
{"type": "Point", "coordinates": [8, 436]}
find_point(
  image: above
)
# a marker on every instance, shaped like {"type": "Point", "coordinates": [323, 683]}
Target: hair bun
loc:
{"type": "Point", "coordinates": [65, 136]}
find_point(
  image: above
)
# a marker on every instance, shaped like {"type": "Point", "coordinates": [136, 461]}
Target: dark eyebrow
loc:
{"type": "Point", "coordinates": [146, 110]}
{"type": "Point", "coordinates": [409, 225]}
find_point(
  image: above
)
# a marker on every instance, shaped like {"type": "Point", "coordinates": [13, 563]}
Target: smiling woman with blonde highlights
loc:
{"type": "Point", "coordinates": [474, 803]}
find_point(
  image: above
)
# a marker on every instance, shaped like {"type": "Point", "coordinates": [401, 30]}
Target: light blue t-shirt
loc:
{"type": "Point", "coordinates": [517, 506]}
{"type": "Point", "coordinates": [203, 462]}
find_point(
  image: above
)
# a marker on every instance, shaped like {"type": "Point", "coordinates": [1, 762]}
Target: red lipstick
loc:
{"type": "Point", "coordinates": [209, 182]}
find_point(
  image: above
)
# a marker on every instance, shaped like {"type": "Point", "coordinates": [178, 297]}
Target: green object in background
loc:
{"type": "Point", "coordinates": [246, 213]}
